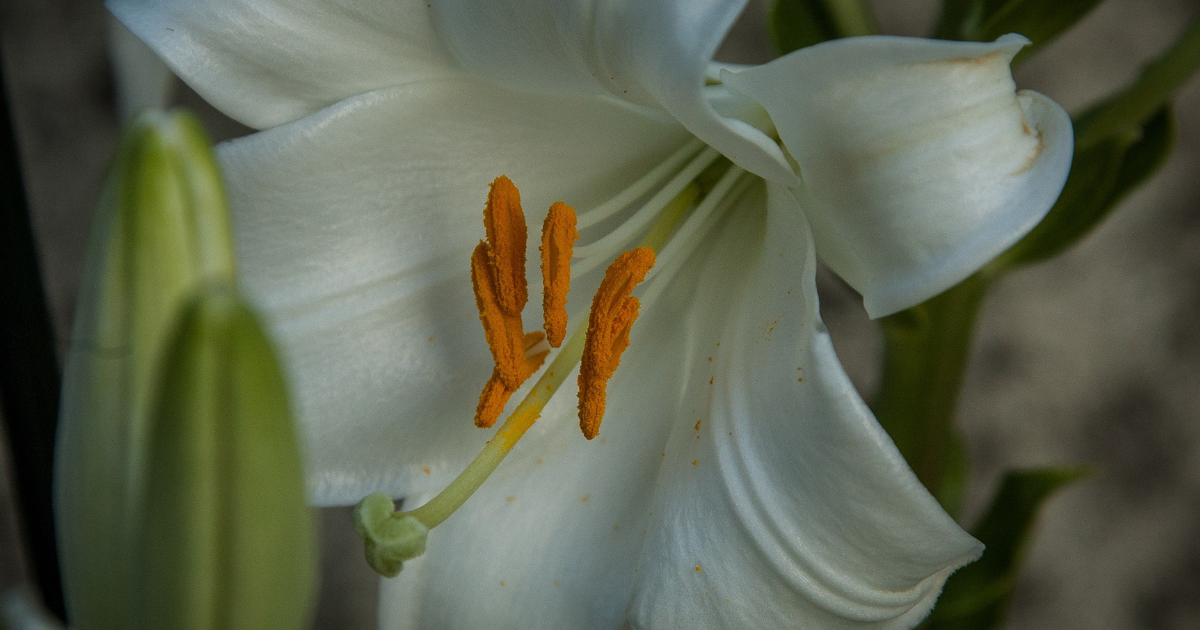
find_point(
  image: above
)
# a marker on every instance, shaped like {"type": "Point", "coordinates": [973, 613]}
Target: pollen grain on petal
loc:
{"type": "Point", "coordinates": [507, 235]}
{"type": "Point", "coordinates": [613, 312]}
{"type": "Point", "coordinates": [558, 243]}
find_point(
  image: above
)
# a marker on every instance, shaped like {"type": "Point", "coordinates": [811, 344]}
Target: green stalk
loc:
{"type": "Point", "coordinates": [925, 354]}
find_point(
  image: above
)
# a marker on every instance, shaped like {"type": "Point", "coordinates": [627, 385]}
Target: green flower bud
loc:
{"type": "Point", "coordinates": [389, 538]}
{"type": "Point", "coordinates": [160, 230]}
{"type": "Point", "coordinates": [140, 534]}
{"type": "Point", "coordinates": [225, 537]}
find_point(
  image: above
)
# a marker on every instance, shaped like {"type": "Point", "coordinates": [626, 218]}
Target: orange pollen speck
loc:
{"type": "Point", "coordinates": [613, 312]}
{"type": "Point", "coordinates": [558, 242]}
{"type": "Point", "coordinates": [501, 292]}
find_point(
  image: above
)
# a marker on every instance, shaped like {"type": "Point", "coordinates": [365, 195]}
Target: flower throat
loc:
{"type": "Point", "coordinates": [501, 294]}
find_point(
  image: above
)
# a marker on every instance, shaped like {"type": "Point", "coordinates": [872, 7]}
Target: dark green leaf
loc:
{"type": "Point", "coordinates": [1101, 176]}
{"type": "Point", "coordinates": [1148, 154]}
{"type": "Point", "coordinates": [977, 597]}
{"type": "Point", "coordinates": [1131, 108]}
{"type": "Point", "coordinates": [851, 18]}
{"type": "Point", "coordinates": [958, 17]}
{"type": "Point", "coordinates": [795, 24]}
{"type": "Point", "coordinates": [955, 475]}
{"type": "Point", "coordinates": [1039, 20]}
{"type": "Point", "coordinates": [985, 20]}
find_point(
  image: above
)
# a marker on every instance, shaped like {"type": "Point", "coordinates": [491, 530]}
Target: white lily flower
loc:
{"type": "Point", "coordinates": [740, 481]}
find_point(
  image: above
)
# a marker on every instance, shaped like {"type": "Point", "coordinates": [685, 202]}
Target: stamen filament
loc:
{"type": "Point", "coordinates": [682, 242]}
{"type": "Point", "coordinates": [723, 195]}
{"type": "Point", "coordinates": [641, 186]}
{"type": "Point", "coordinates": [524, 416]}
{"type": "Point", "coordinates": [613, 241]}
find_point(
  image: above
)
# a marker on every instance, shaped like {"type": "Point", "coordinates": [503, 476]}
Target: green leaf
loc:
{"type": "Point", "coordinates": [1131, 108]}
{"type": "Point", "coordinates": [1101, 176]}
{"type": "Point", "coordinates": [161, 229]}
{"type": "Point", "coordinates": [977, 596]}
{"type": "Point", "coordinates": [851, 18]}
{"type": "Point", "coordinates": [795, 24]}
{"type": "Point", "coordinates": [985, 20]}
{"type": "Point", "coordinates": [226, 539]}
{"type": "Point", "coordinates": [957, 18]}
{"type": "Point", "coordinates": [956, 474]}
{"type": "Point", "coordinates": [1039, 20]}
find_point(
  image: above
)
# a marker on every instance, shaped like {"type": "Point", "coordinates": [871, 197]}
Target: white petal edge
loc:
{"type": "Point", "coordinates": [654, 54]}
{"type": "Point", "coordinates": [267, 62]}
{"type": "Point", "coordinates": [920, 160]}
{"type": "Point", "coordinates": [781, 503]}
{"type": "Point", "coordinates": [354, 229]}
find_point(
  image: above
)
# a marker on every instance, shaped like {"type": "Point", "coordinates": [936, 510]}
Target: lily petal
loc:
{"type": "Point", "coordinates": [781, 502]}
{"type": "Point", "coordinates": [921, 161]}
{"type": "Point", "coordinates": [649, 53]}
{"type": "Point", "coordinates": [355, 227]}
{"type": "Point", "coordinates": [806, 516]}
{"type": "Point", "coordinates": [266, 62]}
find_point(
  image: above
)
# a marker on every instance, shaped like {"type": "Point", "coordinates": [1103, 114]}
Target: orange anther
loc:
{"type": "Point", "coordinates": [614, 310]}
{"type": "Point", "coordinates": [558, 240]}
{"type": "Point", "coordinates": [506, 235]}
{"type": "Point", "coordinates": [496, 393]}
{"type": "Point", "coordinates": [503, 331]}
{"type": "Point", "coordinates": [501, 292]}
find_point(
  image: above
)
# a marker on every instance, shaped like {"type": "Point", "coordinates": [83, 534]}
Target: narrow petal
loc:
{"type": "Point", "coordinates": [781, 503]}
{"type": "Point", "coordinates": [804, 517]}
{"type": "Point", "coordinates": [921, 160]}
{"type": "Point", "coordinates": [355, 229]}
{"type": "Point", "coordinates": [649, 53]}
{"type": "Point", "coordinates": [266, 62]}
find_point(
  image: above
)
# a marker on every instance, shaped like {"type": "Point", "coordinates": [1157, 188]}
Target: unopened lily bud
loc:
{"type": "Point", "coordinates": [161, 230]}
{"type": "Point", "coordinates": [389, 538]}
{"type": "Point", "coordinates": [225, 536]}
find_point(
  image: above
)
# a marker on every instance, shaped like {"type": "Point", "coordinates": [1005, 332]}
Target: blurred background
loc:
{"type": "Point", "coordinates": [1091, 358]}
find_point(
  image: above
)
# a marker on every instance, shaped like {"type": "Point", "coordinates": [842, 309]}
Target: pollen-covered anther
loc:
{"type": "Point", "coordinates": [496, 393]}
{"type": "Point", "coordinates": [558, 242]}
{"type": "Point", "coordinates": [506, 234]}
{"type": "Point", "coordinates": [614, 310]}
{"type": "Point", "coordinates": [502, 330]}
{"type": "Point", "coordinates": [501, 292]}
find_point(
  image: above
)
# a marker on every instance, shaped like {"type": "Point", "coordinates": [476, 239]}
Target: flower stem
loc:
{"type": "Point", "coordinates": [925, 353]}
